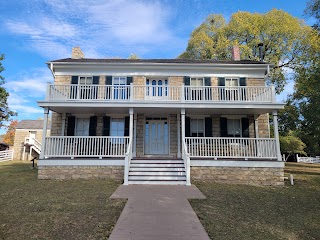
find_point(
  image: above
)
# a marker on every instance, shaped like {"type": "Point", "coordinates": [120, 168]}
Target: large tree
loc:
{"type": "Point", "coordinates": [285, 40]}
{"type": "Point", "coordinates": [5, 112]}
{"type": "Point", "coordinates": [11, 130]}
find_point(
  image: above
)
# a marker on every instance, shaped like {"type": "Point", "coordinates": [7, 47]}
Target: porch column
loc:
{"type": "Point", "coordinates": [179, 142]}
{"type": "Point", "coordinates": [276, 133]}
{"type": "Point", "coordinates": [183, 124]}
{"type": "Point", "coordinates": [131, 123]}
{"type": "Point", "coordinates": [135, 135]}
{"type": "Point", "coordinates": [63, 123]}
{"type": "Point", "coordinates": [44, 132]}
{"type": "Point", "coordinates": [256, 126]}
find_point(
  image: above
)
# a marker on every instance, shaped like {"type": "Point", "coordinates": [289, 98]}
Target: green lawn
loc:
{"type": "Point", "coordinates": [249, 212]}
{"type": "Point", "coordinates": [53, 209]}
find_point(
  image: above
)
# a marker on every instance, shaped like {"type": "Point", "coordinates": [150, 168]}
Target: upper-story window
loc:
{"type": "Point", "coordinates": [197, 82]}
{"type": "Point", "coordinates": [85, 80]}
{"type": "Point", "coordinates": [120, 89]}
{"type": "Point", "coordinates": [232, 82]}
{"type": "Point", "coordinates": [158, 87]}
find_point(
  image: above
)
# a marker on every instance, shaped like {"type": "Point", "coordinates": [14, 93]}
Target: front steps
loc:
{"type": "Point", "coordinates": [157, 171]}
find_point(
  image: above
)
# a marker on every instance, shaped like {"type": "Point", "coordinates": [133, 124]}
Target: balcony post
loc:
{"type": "Point", "coordinates": [276, 133]}
{"type": "Point", "coordinates": [48, 91]}
{"type": "Point", "coordinates": [182, 93]}
{"type": "Point", "coordinates": [44, 132]}
{"type": "Point", "coordinates": [256, 126]}
{"type": "Point", "coordinates": [135, 135]}
{"type": "Point", "coordinates": [131, 92]}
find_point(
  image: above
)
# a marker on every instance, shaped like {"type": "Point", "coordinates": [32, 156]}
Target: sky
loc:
{"type": "Point", "coordinates": [33, 32]}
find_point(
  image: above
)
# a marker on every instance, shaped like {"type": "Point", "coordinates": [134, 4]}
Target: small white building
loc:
{"type": "Point", "coordinates": [161, 121]}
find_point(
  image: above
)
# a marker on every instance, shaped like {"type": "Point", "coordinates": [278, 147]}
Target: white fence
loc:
{"type": "Point", "coordinates": [221, 147]}
{"type": "Point", "coordinates": [63, 146]}
{"type": "Point", "coordinates": [308, 159]}
{"type": "Point", "coordinates": [160, 93]}
{"type": "Point", "coordinates": [6, 155]}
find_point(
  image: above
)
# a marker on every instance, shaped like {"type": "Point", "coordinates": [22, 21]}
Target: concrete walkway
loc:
{"type": "Point", "coordinates": [158, 212]}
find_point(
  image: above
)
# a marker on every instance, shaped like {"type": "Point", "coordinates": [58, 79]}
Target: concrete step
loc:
{"type": "Point", "coordinates": [157, 169]}
{"type": "Point", "coordinates": [158, 182]}
{"type": "Point", "coordinates": [141, 173]}
{"type": "Point", "coordinates": [157, 161]}
{"type": "Point", "coordinates": [161, 178]}
{"type": "Point", "coordinates": [158, 165]}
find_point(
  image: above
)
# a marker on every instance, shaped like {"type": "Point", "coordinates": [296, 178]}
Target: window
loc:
{"type": "Point", "coordinates": [197, 127]}
{"type": "Point", "coordinates": [232, 90]}
{"type": "Point", "coordinates": [85, 87]}
{"type": "Point", "coordinates": [197, 82]}
{"type": "Point", "coordinates": [82, 127]}
{"type": "Point", "coordinates": [159, 87]}
{"type": "Point", "coordinates": [120, 88]}
{"type": "Point", "coordinates": [232, 82]}
{"type": "Point", "coordinates": [117, 127]}
{"type": "Point", "coordinates": [85, 81]}
{"type": "Point", "coordinates": [234, 127]}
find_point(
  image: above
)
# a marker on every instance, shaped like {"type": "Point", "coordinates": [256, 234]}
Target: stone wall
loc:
{"type": "Point", "coordinates": [140, 135]}
{"type": "Point", "coordinates": [263, 126]}
{"type": "Point", "coordinates": [62, 80]}
{"type": "Point", "coordinates": [239, 175]}
{"type": "Point", "coordinates": [173, 135]}
{"type": "Point", "coordinates": [81, 172]}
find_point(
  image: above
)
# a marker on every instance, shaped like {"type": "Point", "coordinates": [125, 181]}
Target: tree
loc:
{"type": "Point", "coordinates": [291, 144]}
{"type": "Point", "coordinates": [289, 117]}
{"type": "Point", "coordinates": [133, 56]}
{"type": "Point", "coordinates": [313, 10]}
{"type": "Point", "coordinates": [285, 40]}
{"type": "Point", "coordinates": [11, 130]}
{"type": "Point", "coordinates": [5, 112]}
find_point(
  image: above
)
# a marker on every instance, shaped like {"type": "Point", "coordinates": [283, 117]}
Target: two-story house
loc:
{"type": "Point", "coordinates": [161, 121]}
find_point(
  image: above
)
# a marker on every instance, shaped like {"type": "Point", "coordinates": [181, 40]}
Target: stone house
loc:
{"type": "Point", "coordinates": [161, 121]}
{"type": "Point", "coordinates": [27, 139]}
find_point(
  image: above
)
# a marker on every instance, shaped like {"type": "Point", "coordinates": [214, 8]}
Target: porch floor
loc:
{"type": "Point", "coordinates": [158, 212]}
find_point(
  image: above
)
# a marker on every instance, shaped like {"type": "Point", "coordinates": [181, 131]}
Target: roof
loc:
{"type": "Point", "coordinates": [164, 61]}
{"type": "Point", "coordinates": [30, 124]}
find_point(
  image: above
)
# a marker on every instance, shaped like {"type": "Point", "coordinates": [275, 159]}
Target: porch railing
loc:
{"type": "Point", "coordinates": [142, 93]}
{"type": "Point", "coordinates": [65, 146]}
{"type": "Point", "coordinates": [220, 147]}
{"type": "Point", "coordinates": [127, 162]}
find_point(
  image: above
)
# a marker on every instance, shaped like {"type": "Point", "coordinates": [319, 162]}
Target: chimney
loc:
{"type": "Point", "coordinates": [260, 45]}
{"type": "Point", "coordinates": [77, 53]}
{"type": "Point", "coordinates": [235, 53]}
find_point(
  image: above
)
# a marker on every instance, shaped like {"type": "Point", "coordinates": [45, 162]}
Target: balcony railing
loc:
{"type": "Point", "coordinates": [220, 147]}
{"type": "Point", "coordinates": [143, 93]}
{"type": "Point", "coordinates": [62, 146]}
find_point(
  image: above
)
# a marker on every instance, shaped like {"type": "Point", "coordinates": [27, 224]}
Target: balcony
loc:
{"type": "Point", "coordinates": [175, 94]}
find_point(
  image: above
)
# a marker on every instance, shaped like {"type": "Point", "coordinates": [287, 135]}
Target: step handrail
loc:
{"type": "Point", "coordinates": [186, 160]}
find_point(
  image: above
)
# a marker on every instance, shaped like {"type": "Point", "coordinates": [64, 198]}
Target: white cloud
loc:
{"type": "Point", "coordinates": [101, 27]}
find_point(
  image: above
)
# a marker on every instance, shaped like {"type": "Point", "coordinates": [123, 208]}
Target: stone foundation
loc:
{"type": "Point", "coordinates": [266, 176]}
{"type": "Point", "coordinates": [81, 172]}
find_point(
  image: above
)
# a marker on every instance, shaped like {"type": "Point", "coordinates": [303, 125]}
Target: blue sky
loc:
{"type": "Point", "coordinates": [35, 31]}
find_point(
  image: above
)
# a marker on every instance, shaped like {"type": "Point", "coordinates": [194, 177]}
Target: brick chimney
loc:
{"type": "Point", "coordinates": [77, 53]}
{"type": "Point", "coordinates": [235, 53]}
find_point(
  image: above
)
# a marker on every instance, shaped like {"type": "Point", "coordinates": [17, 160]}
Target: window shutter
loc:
{"type": "Point", "coordinates": [126, 126]}
{"type": "Point", "coordinates": [74, 80]}
{"type": "Point", "coordinates": [208, 126]}
{"type": "Point", "coordinates": [223, 127]}
{"type": "Point", "coordinates": [243, 81]}
{"type": "Point", "coordinates": [95, 80]}
{"type": "Point", "coordinates": [186, 81]}
{"type": "Point", "coordinates": [129, 80]}
{"type": "Point", "coordinates": [187, 127]}
{"type": "Point", "coordinates": [207, 81]}
{"type": "Point", "coordinates": [71, 126]}
{"type": "Point", "coordinates": [73, 89]}
{"type": "Point", "coordinates": [245, 127]}
{"type": "Point", "coordinates": [108, 80]}
{"type": "Point", "coordinates": [221, 81]}
{"type": "Point", "coordinates": [106, 126]}
{"type": "Point", "coordinates": [93, 126]}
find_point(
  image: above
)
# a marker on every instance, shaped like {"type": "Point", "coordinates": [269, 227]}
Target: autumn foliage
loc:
{"type": "Point", "coordinates": [9, 136]}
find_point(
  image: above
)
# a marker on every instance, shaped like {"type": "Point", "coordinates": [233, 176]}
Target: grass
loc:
{"type": "Point", "coordinates": [249, 212]}
{"type": "Point", "coordinates": [53, 209]}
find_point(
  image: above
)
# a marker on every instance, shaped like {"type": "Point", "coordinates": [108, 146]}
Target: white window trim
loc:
{"type": "Point", "coordinates": [79, 77]}
{"type": "Point", "coordinates": [114, 77]}
{"type": "Point", "coordinates": [232, 78]}
{"type": "Point", "coordinates": [235, 118]}
{"type": "Point", "coordinates": [113, 118]}
{"type": "Point", "coordinates": [198, 78]}
{"type": "Point", "coordinates": [75, 126]}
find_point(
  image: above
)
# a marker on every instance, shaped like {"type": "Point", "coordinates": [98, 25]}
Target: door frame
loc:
{"type": "Point", "coordinates": [167, 116]}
